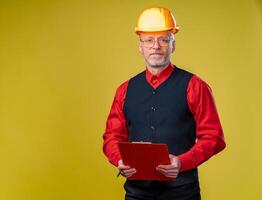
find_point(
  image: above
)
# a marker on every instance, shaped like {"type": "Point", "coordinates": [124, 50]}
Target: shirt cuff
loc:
{"type": "Point", "coordinates": [186, 162]}
{"type": "Point", "coordinates": [115, 160]}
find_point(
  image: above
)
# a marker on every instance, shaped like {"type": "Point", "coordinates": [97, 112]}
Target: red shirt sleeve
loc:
{"type": "Point", "coordinates": [209, 133]}
{"type": "Point", "coordinates": [115, 130]}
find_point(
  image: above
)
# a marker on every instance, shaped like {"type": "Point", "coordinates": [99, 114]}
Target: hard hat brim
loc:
{"type": "Point", "coordinates": [173, 30]}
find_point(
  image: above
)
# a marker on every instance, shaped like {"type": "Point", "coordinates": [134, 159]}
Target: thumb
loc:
{"type": "Point", "coordinates": [174, 160]}
{"type": "Point", "coordinates": [122, 166]}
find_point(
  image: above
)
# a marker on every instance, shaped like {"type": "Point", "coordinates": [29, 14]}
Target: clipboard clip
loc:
{"type": "Point", "coordinates": [141, 142]}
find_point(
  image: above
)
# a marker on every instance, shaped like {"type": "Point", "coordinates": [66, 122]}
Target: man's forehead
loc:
{"type": "Point", "coordinates": [154, 34]}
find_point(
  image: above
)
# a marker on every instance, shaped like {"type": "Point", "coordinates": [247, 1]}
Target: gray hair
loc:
{"type": "Point", "coordinates": [171, 36]}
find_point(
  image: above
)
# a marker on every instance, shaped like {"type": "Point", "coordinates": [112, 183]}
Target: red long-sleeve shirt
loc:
{"type": "Point", "coordinates": [209, 133]}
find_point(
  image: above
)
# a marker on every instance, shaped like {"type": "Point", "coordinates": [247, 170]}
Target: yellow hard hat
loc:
{"type": "Point", "coordinates": [156, 19]}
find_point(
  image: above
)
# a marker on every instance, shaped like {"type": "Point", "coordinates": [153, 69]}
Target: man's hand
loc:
{"type": "Point", "coordinates": [172, 170]}
{"type": "Point", "coordinates": [125, 170]}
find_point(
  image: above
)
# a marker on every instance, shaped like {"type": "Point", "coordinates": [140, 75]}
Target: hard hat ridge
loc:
{"type": "Point", "coordinates": [156, 19]}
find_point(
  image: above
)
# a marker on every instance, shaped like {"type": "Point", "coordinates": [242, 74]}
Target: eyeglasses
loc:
{"type": "Point", "coordinates": [150, 42]}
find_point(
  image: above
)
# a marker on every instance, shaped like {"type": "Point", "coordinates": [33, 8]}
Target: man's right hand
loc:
{"type": "Point", "coordinates": [125, 170]}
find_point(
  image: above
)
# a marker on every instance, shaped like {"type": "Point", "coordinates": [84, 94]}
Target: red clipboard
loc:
{"type": "Point", "coordinates": [144, 157]}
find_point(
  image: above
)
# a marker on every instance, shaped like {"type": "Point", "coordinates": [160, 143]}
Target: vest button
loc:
{"type": "Point", "coordinates": [154, 92]}
{"type": "Point", "coordinates": [152, 127]}
{"type": "Point", "coordinates": [153, 108]}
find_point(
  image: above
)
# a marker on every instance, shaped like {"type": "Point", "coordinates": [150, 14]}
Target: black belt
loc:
{"type": "Point", "coordinates": [157, 190]}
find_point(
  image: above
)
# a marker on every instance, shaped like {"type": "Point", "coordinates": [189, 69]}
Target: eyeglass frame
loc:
{"type": "Point", "coordinates": [158, 40]}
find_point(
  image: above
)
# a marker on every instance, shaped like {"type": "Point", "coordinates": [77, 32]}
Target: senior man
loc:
{"type": "Point", "coordinates": [164, 104]}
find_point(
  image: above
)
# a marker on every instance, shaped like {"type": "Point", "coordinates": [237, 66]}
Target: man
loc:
{"type": "Point", "coordinates": [164, 104]}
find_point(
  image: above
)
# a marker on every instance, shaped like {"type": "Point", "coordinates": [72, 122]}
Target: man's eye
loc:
{"type": "Point", "coordinates": [164, 40]}
{"type": "Point", "coordinates": [148, 40]}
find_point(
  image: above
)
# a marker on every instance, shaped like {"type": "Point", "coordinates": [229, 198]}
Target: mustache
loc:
{"type": "Point", "coordinates": [156, 53]}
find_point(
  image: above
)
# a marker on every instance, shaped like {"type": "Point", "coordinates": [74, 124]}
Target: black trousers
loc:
{"type": "Point", "coordinates": [159, 191]}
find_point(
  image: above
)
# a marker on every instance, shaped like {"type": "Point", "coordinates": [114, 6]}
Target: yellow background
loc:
{"type": "Point", "coordinates": [60, 63]}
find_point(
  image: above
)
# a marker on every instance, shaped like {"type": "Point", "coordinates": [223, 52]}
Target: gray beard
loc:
{"type": "Point", "coordinates": [157, 65]}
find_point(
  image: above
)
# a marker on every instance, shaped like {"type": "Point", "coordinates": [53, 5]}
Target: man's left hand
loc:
{"type": "Point", "coordinates": [172, 170]}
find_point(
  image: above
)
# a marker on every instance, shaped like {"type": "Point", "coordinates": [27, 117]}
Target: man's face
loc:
{"type": "Point", "coordinates": [157, 48]}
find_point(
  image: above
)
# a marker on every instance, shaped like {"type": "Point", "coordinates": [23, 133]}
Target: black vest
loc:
{"type": "Point", "coordinates": [162, 115]}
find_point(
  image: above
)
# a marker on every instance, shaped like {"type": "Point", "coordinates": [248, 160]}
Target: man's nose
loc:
{"type": "Point", "coordinates": [156, 45]}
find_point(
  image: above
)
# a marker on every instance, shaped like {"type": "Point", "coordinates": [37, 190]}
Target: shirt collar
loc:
{"type": "Point", "coordinates": [159, 78]}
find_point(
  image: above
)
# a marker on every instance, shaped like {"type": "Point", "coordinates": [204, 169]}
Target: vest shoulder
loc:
{"type": "Point", "coordinates": [138, 76]}
{"type": "Point", "coordinates": [183, 71]}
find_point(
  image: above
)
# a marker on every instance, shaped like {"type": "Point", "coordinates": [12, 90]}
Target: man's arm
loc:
{"type": "Point", "coordinates": [115, 130]}
{"type": "Point", "coordinates": [209, 132]}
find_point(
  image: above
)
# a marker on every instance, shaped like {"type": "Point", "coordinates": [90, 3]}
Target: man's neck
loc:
{"type": "Point", "coordinates": [157, 70]}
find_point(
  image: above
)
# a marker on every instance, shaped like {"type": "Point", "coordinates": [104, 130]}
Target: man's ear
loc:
{"type": "Point", "coordinates": [140, 48]}
{"type": "Point", "coordinates": [173, 46]}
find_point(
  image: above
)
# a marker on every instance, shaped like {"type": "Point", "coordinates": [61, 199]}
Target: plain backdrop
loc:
{"type": "Point", "coordinates": [61, 62]}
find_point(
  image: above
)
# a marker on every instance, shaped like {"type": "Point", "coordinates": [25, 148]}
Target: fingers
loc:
{"type": "Point", "coordinates": [128, 172]}
{"type": "Point", "coordinates": [171, 170]}
{"type": "Point", "coordinates": [121, 166]}
{"type": "Point", "coordinates": [125, 170]}
{"type": "Point", "coordinates": [167, 170]}
{"type": "Point", "coordinates": [167, 167]}
{"type": "Point", "coordinates": [171, 173]}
